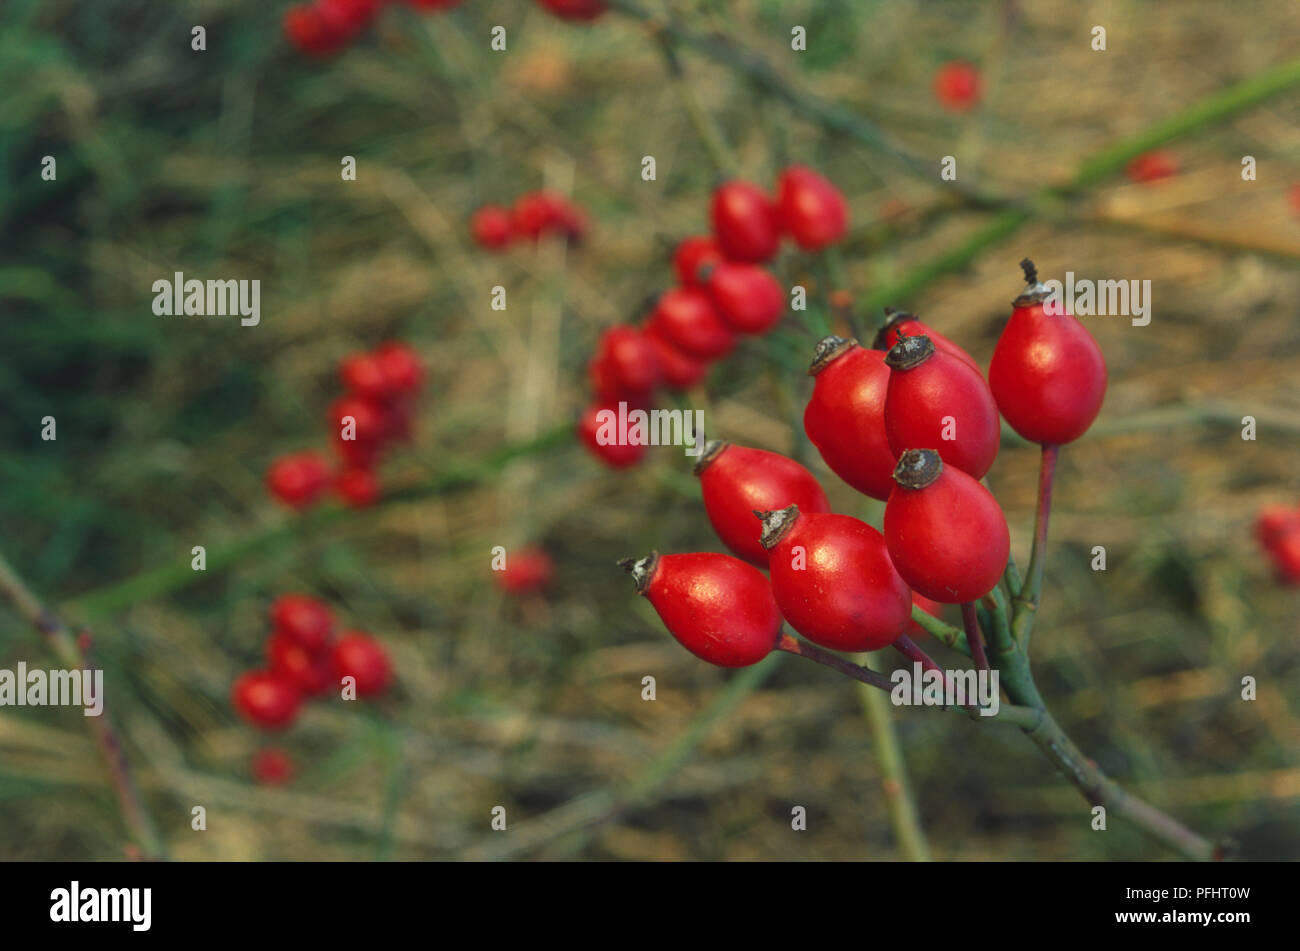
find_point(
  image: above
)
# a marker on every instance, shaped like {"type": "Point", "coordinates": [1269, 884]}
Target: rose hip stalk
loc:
{"type": "Point", "coordinates": [735, 481]}
{"type": "Point", "coordinates": [717, 607]}
{"type": "Point", "coordinates": [946, 534]}
{"type": "Point", "coordinates": [845, 418]}
{"type": "Point", "coordinates": [935, 401]}
{"type": "Point", "coordinates": [834, 581]}
{"type": "Point", "coordinates": [1047, 373]}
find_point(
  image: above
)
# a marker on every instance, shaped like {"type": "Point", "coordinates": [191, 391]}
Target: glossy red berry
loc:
{"type": "Point", "coordinates": [357, 486]}
{"type": "Point", "coordinates": [957, 85]}
{"type": "Point", "coordinates": [735, 481]}
{"type": "Point", "coordinates": [692, 256]}
{"type": "Point", "coordinates": [401, 368]}
{"type": "Point", "coordinates": [910, 325]}
{"type": "Point", "coordinates": [526, 570]}
{"type": "Point", "coordinates": [1152, 166]}
{"type": "Point", "coordinates": [1047, 373]}
{"type": "Point", "coordinates": [630, 358]}
{"type": "Point", "coordinates": [609, 389]}
{"type": "Point", "coordinates": [310, 32]}
{"type": "Point", "coordinates": [365, 421]}
{"type": "Point", "coordinates": [833, 579]}
{"type": "Point", "coordinates": [272, 767]}
{"type": "Point", "coordinates": [686, 318]}
{"type": "Point", "coordinates": [745, 222]}
{"type": "Point", "coordinates": [265, 699]}
{"type": "Point", "coordinates": [935, 401]}
{"type": "Point", "coordinates": [747, 296]}
{"type": "Point", "coordinates": [298, 479]}
{"type": "Point", "coordinates": [1286, 558]}
{"type": "Point", "coordinates": [600, 435]}
{"type": "Point", "coordinates": [717, 607]}
{"type": "Point", "coordinates": [812, 210]}
{"type": "Point", "coordinates": [305, 620]}
{"type": "Point", "coordinates": [308, 672]}
{"type": "Point", "coordinates": [492, 227]}
{"type": "Point", "coordinates": [360, 656]}
{"type": "Point", "coordinates": [946, 533]}
{"type": "Point", "coordinates": [574, 9]}
{"type": "Point", "coordinates": [680, 371]}
{"type": "Point", "coordinates": [845, 418]}
{"type": "Point", "coordinates": [535, 213]}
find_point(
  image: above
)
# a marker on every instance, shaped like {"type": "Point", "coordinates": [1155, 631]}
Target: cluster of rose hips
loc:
{"type": "Point", "coordinates": [724, 292]}
{"type": "Point", "coordinates": [325, 27]}
{"type": "Point", "coordinates": [533, 216]}
{"type": "Point", "coordinates": [375, 412]}
{"type": "Point", "coordinates": [1277, 529]}
{"type": "Point", "coordinates": [303, 659]}
{"type": "Point", "coordinates": [911, 422]}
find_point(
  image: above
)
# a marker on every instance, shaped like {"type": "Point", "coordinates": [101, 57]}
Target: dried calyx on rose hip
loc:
{"type": "Point", "coordinates": [1047, 373]}
{"type": "Point", "coordinates": [845, 416]}
{"type": "Point", "coordinates": [735, 480]}
{"type": "Point", "coordinates": [945, 532]}
{"type": "Point", "coordinates": [833, 579]}
{"type": "Point", "coordinates": [900, 322]}
{"type": "Point", "coordinates": [716, 606]}
{"type": "Point", "coordinates": [936, 401]}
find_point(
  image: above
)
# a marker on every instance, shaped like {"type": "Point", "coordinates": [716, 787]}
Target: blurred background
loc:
{"type": "Point", "coordinates": [225, 163]}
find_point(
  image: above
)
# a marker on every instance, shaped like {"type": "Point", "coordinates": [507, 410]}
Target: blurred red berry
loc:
{"type": "Point", "coordinates": [306, 620]}
{"type": "Point", "coordinates": [308, 672]}
{"type": "Point", "coordinates": [957, 85]}
{"type": "Point", "coordinates": [527, 570]}
{"type": "Point", "coordinates": [693, 254]}
{"type": "Point", "coordinates": [433, 5]}
{"type": "Point", "coordinates": [574, 9]}
{"type": "Point", "coordinates": [265, 699]}
{"type": "Point", "coordinates": [492, 227]}
{"type": "Point", "coordinates": [592, 428]}
{"type": "Point", "coordinates": [686, 317]}
{"type": "Point", "coordinates": [360, 656]}
{"type": "Point", "coordinates": [747, 296]}
{"type": "Point", "coordinates": [1275, 522]}
{"type": "Point", "coordinates": [629, 358]}
{"type": "Point", "coordinates": [347, 18]}
{"type": "Point", "coordinates": [813, 211]}
{"type": "Point", "coordinates": [679, 370]}
{"type": "Point", "coordinates": [1286, 556]}
{"type": "Point", "coordinates": [369, 420]}
{"type": "Point", "coordinates": [1152, 166]}
{"type": "Point", "coordinates": [309, 30]}
{"type": "Point", "coordinates": [745, 222]}
{"type": "Point", "coordinates": [400, 366]}
{"type": "Point", "coordinates": [363, 376]}
{"type": "Point", "coordinates": [298, 479]}
{"type": "Point", "coordinates": [272, 767]}
{"type": "Point", "coordinates": [357, 486]}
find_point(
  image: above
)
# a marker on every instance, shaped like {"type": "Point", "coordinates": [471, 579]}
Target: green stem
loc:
{"type": "Point", "coordinates": [1026, 602]}
{"type": "Point", "coordinates": [903, 814]}
{"type": "Point", "coordinates": [946, 633]}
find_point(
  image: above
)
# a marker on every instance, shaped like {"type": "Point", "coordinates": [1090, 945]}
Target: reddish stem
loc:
{"type": "Point", "coordinates": [974, 636]}
{"type": "Point", "coordinates": [792, 645]}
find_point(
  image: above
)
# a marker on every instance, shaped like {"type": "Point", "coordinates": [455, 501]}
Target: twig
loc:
{"type": "Point", "coordinates": [1026, 603]}
{"type": "Point", "coordinates": [70, 653]}
{"type": "Point", "coordinates": [792, 645]}
{"type": "Point", "coordinates": [973, 635]}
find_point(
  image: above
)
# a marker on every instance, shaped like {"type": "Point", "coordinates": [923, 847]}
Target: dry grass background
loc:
{"type": "Point", "coordinates": [225, 164]}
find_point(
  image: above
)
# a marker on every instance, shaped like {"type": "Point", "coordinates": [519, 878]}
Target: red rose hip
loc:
{"type": "Point", "coordinates": [308, 672]}
{"type": "Point", "coordinates": [946, 533]}
{"type": "Point", "coordinates": [492, 227]}
{"type": "Point", "coordinates": [845, 418]}
{"type": "Point", "coordinates": [693, 255]}
{"type": "Point", "coordinates": [303, 619]}
{"type": "Point", "coordinates": [745, 222]}
{"type": "Point", "coordinates": [833, 579]}
{"type": "Point", "coordinates": [679, 370]}
{"type": "Point", "coordinates": [736, 480]}
{"type": "Point", "coordinates": [599, 433]}
{"type": "Point", "coordinates": [265, 699]}
{"type": "Point", "coordinates": [1047, 373]}
{"type": "Point", "coordinates": [812, 210]}
{"type": "Point", "coordinates": [298, 479]}
{"type": "Point", "coordinates": [686, 318]}
{"type": "Point", "coordinates": [716, 606]}
{"type": "Point", "coordinates": [630, 358]}
{"type": "Point", "coordinates": [360, 656]}
{"type": "Point", "coordinates": [747, 296]}
{"type": "Point", "coordinates": [935, 401]}
{"type": "Point", "coordinates": [900, 322]}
